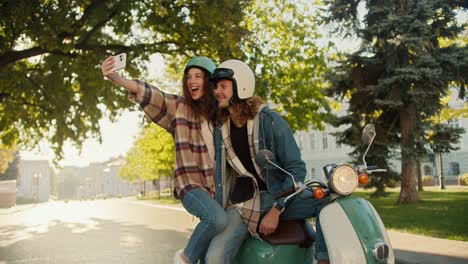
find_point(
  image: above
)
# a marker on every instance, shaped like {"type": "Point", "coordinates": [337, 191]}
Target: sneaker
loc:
{"type": "Point", "coordinates": [178, 257]}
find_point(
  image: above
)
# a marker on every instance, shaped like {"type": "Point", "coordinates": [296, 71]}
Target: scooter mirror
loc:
{"type": "Point", "coordinates": [368, 134]}
{"type": "Point", "coordinates": [263, 156]}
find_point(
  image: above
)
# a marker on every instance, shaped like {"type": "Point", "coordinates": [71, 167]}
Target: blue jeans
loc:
{"type": "Point", "coordinates": [224, 246]}
{"type": "Point", "coordinates": [213, 220]}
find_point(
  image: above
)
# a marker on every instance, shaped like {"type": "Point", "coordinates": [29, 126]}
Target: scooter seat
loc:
{"type": "Point", "coordinates": [293, 232]}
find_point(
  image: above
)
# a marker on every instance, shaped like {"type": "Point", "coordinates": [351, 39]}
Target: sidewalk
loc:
{"type": "Point", "coordinates": [417, 249]}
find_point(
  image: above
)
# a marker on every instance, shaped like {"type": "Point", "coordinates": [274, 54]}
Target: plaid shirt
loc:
{"type": "Point", "coordinates": [250, 209]}
{"type": "Point", "coordinates": [194, 160]}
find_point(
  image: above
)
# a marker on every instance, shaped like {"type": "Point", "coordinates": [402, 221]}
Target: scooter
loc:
{"type": "Point", "coordinates": [353, 230]}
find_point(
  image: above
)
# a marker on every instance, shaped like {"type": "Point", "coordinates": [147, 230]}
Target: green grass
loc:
{"type": "Point", "coordinates": [442, 214]}
{"type": "Point", "coordinates": [163, 199]}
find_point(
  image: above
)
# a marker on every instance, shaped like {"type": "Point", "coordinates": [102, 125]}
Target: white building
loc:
{"type": "Point", "coordinates": [97, 180]}
{"type": "Point", "coordinates": [455, 163]}
{"type": "Point", "coordinates": [34, 180]}
{"type": "Point", "coordinates": [113, 185]}
{"type": "Point", "coordinates": [320, 148]}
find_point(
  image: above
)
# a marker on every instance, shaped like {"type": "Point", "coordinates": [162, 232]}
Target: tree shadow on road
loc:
{"type": "Point", "coordinates": [95, 241]}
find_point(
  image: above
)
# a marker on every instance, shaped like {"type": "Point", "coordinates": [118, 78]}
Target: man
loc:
{"type": "Point", "coordinates": [247, 126]}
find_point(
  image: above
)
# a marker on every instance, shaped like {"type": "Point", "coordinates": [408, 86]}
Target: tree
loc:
{"type": "Point", "coordinates": [152, 156]}
{"type": "Point", "coordinates": [442, 136]}
{"type": "Point", "coordinates": [397, 77]}
{"type": "Point", "coordinates": [279, 42]}
{"type": "Point", "coordinates": [12, 172]}
{"type": "Point", "coordinates": [288, 61]}
{"type": "Point", "coordinates": [7, 154]}
{"type": "Point", "coordinates": [51, 86]}
{"type": "Point", "coordinates": [50, 51]}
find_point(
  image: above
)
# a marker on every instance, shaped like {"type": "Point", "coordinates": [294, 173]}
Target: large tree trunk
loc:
{"type": "Point", "coordinates": [409, 170]}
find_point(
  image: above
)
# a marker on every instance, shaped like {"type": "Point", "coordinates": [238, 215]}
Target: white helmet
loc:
{"type": "Point", "coordinates": [240, 73]}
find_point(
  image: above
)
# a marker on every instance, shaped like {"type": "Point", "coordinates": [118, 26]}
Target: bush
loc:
{"type": "Point", "coordinates": [392, 183]}
{"type": "Point", "coordinates": [428, 181]}
{"type": "Point", "coordinates": [463, 179]}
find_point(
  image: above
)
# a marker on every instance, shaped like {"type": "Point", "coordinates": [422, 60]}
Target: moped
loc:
{"type": "Point", "coordinates": [353, 230]}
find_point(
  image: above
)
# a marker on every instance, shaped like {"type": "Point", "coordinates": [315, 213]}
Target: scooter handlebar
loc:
{"type": "Point", "coordinates": [372, 169]}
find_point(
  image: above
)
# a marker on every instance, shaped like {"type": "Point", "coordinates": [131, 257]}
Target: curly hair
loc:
{"type": "Point", "coordinates": [241, 111]}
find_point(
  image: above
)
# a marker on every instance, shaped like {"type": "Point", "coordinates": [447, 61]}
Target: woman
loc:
{"type": "Point", "coordinates": [187, 118]}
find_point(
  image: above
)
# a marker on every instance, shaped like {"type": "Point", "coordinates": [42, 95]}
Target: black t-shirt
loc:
{"type": "Point", "coordinates": [240, 144]}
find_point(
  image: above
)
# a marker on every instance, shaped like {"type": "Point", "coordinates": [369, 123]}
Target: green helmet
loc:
{"type": "Point", "coordinates": [201, 62]}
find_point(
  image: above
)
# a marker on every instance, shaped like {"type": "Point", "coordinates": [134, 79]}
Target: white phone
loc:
{"type": "Point", "coordinates": [120, 61]}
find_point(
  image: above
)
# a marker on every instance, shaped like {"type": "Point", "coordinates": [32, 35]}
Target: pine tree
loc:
{"type": "Point", "coordinates": [397, 78]}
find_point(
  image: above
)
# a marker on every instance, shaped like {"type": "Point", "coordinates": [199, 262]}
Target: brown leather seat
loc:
{"type": "Point", "coordinates": [293, 232]}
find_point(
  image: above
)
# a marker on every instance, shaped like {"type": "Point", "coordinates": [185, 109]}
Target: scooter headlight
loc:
{"type": "Point", "coordinates": [344, 179]}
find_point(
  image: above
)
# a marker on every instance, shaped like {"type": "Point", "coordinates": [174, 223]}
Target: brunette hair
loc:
{"type": "Point", "coordinates": [207, 105]}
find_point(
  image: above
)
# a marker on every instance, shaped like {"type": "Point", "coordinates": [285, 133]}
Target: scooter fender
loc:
{"type": "Point", "coordinates": [354, 232]}
{"type": "Point", "coordinates": [255, 251]}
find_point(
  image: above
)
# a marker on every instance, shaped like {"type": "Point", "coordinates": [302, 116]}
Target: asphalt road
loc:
{"type": "Point", "coordinates": [128, 231]}
{"type": "Point", "coordinates": [101, 231]}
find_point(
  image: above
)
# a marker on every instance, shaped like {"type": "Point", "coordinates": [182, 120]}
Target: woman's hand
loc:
{"type": "Point", "coordinates": [106, 67]}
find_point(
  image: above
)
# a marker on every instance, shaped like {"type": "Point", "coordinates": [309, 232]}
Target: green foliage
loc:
{"type": "Point", "coordinates": [50, 83]}
{"type": "Point", "coordinates": [12, 172]}
{"type": "Point", "coordinates": [152, 156]}
{"type": "Point", "coordinates": [463, 179]}
{"type": "Point", "coordinates": [443, 138]}
{"type": "Point", "coordinates": [441, 135]}
{"type": "Point", "coordinates": [51, 86]}
{"type": "Point", "coordinates": [279, 44]}
{"type": "Point", "coordinates": [7, 154]}
{"type": "Point", "coordinates": [400, 73]}
{"type": "Point", "coordinates": [288, 62]}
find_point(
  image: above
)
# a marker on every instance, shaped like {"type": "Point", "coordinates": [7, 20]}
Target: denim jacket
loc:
{"type": "Point", "coordinates": [275, 135]}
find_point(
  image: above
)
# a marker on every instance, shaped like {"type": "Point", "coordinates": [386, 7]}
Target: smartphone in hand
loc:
{"type": "Point", "coordinates": [120, 61]}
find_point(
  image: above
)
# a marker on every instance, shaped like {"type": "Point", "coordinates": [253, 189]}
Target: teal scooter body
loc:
{"type": "Point", "coordinates": [255, 251]}
{"type": "Point", "coordinates": [353, 231]}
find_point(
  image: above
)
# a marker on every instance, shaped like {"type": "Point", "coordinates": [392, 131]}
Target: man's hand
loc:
{"type": "Point", "coordinates": [270, 221]}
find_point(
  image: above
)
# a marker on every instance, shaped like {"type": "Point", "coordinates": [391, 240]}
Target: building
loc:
{"type": "Point", "coordinates": [34, 180]}
{"type": "Point", "coordinates": [454, 163]}
{"type": "Point", "coordinates": [320, 148]}
{"type": "Point", "coordinates": [99, 179]}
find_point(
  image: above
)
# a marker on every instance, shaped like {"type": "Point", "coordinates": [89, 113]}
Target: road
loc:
{"type": "Point", "coordinates": [101, 231]}
{"type": "Point", "coordinates": [129, 231]}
